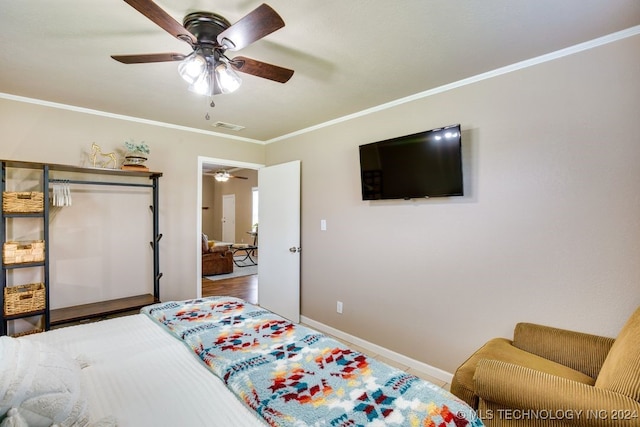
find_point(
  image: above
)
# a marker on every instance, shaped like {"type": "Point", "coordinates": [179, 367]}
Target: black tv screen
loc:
{"type": "Point", "coordinates": [425, 164]}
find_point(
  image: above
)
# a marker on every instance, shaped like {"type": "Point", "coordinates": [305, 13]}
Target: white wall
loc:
{"type": "Point", "coordinates": [548, 230]}
{"type": "Point", "coordinates": [38, 133]}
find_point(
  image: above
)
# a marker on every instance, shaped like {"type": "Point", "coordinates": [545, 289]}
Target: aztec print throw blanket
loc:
{"type": "Point", "coordinates": [292, 375]}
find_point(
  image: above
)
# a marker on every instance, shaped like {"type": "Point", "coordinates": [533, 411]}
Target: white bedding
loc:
{"type": "Point", "coordinates": [142, 376]}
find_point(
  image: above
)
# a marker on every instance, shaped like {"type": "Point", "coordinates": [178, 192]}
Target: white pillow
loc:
{"type": "Point", "coordinates": [41, 383]}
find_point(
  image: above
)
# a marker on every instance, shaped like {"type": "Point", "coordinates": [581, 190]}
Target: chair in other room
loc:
{"type": "Point", "coordinates": [216, 259]}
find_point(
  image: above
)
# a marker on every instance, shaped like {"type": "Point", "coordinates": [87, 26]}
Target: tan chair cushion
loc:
{"type": "Point", "coordinates": [621, 369]}
{"type": "Point", "coordinates": [502, 349]}
{"type": "Point", "coordinates": [219, 248]}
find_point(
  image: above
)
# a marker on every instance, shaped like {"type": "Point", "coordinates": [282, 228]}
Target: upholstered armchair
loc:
{"type": "Point", "coordinates": [215, 259]}
{"type": "Point", "coordinates": [553, 377]}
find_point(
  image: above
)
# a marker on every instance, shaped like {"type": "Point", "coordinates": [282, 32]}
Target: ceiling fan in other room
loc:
{"type": "Point", "coordinates": [223, 175]}
{"type": "Point", "coordinates": [207, 69]}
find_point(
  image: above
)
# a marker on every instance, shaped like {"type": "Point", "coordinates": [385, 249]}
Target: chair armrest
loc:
{"type": "Point", "coordinates": [215, 255]}
{"type": "Point", "coordinates": [583, 352]}
{"type": "Point", "coordinates": [544, 396]}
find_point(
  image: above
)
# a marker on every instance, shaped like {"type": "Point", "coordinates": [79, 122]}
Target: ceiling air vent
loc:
{"type": "Point", "coordinates": [229, 126]}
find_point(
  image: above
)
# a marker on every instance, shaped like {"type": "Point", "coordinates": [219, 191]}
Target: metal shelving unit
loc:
{"type": "Point", "coordinates": [109, 177]}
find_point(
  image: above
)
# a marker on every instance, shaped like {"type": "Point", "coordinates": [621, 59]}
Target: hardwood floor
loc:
{"type": "Point", "coordinates": [245, 287]}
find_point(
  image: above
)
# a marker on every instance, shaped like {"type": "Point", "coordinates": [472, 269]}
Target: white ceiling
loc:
{"type": "Point", "coordinates": [348, 55]}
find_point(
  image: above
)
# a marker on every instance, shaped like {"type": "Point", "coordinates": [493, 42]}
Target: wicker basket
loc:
{"type": "Point", "coordinates": [22, 202]}
{"type": "Point", "coordinates": [30, 332]}
{"type": "Point", "coordinates": [20, 252]}
{"type": "Point", "coordinates": [24, 298]}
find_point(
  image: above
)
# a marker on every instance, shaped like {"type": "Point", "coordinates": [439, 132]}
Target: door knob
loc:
{"type": "Point", "coordinates": [293, 249]}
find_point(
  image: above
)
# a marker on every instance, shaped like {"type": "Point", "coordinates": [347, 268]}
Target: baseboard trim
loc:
{"type": "Point", "coordinates": [385, 352]}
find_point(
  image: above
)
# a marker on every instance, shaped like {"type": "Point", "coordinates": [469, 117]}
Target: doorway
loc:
{"type": "Point", "coordinates": [206, 212]}
{"type": "Point", "coordinates": [279, 220]}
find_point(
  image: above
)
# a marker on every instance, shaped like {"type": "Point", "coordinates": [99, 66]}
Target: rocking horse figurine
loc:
{"type": "Point", "coordinates": [97, 151]}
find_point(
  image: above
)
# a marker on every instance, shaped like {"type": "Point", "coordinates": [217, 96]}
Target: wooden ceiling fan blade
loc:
{"type": "Point", "coordinates": [261, 21]}
{"type": "Point", "coordinates": [151, 57]}
{"type": "Point", "coordinates": [261, 69]}
{"type": "Point", "coordinates": [161, 18]}
{"type": "Point", "coordinates": [238, 177]}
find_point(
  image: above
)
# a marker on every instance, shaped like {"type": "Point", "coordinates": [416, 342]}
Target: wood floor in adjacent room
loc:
{"type": "Point", "coordinates": [244, 287]}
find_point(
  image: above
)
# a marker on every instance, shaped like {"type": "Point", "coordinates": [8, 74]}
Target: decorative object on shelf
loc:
{"type": "Point", "coordinates": [136, 156]}
{"type": "Point", "coordinates": [97, 158]}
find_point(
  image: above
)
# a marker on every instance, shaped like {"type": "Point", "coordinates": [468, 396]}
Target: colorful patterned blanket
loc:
{"type": "Point", "coordinates": [292, 375]}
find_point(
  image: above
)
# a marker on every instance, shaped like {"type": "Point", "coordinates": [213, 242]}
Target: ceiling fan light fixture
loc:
{"type": "Point", "coordinates": [202, 85]}
{"type": "Point", "coordinates": [228, 80]}
{"type": "Point", "coordinates": [193, 66]}
{"type": "Point", "coordinates": [222, 176]}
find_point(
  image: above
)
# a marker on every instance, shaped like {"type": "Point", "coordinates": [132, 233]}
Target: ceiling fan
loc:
{"type": "Point", "coordinates": [223, 175]}
{"type": "Point", "coordinates": [207, 69]}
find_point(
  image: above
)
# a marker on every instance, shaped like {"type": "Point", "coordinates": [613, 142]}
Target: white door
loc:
{"type": "Point", "coordinates": [229, 218]}
{"type": "Point", "coordinates": [279, 239]}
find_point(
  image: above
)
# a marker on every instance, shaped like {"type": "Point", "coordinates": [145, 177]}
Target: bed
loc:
{"type": "Point", "coordinates": [216, 361]}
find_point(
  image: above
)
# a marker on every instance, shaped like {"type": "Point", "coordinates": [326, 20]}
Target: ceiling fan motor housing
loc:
{"type": "Point", "coordinates": [206, 26]}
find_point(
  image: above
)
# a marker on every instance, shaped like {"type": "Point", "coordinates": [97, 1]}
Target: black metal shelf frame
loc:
{"type": "Point", "coordinates": [46, 181]}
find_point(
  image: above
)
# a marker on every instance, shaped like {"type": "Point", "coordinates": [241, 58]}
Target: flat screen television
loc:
{"type": "Point", "coordinates": [424, 164]}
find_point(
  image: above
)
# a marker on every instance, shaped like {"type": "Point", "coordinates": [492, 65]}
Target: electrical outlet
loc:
{"type": "Point", "coordinates": [339, 307]}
